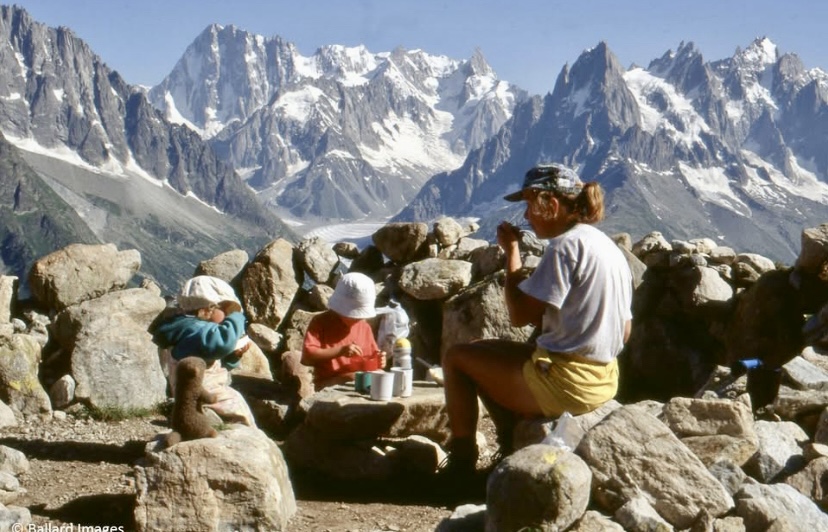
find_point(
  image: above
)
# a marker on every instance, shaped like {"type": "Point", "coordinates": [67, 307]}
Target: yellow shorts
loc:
{"type": "Point", "coordinates": [560, 384]}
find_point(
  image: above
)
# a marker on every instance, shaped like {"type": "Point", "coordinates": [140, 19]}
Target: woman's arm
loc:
{"type": "Point", "coordinates": [523, 308]}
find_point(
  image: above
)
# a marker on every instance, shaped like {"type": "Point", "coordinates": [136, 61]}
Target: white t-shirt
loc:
{"type": "Point", "coordinates": [586, 281]}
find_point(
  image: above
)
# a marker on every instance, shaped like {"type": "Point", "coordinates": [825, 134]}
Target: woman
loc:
{"type": "Point", "coordinates": [580, 295]}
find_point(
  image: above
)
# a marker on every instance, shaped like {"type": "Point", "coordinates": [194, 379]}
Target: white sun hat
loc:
{"type": "Point", "coordinates": [205, 291]}
{"type": "Point", "coordinates": [354, 296]}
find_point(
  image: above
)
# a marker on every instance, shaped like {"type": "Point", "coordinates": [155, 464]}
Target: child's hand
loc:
{"type": "Point", "coordinates": [350, 350]}
{"type": "Point", "coordinates": [242, 350]}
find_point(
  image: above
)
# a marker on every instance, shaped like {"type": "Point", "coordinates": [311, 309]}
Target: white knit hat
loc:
{"type": "Point", "coordinates": [204, 291]}
{"type": "Point", "coordinates": [354, 296]}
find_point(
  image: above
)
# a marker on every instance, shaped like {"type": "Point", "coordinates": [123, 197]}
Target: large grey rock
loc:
{"type": "Point", "coordinates": [339, 413]}
{"type": "Point", "coordinates": [792, 404]}
{"type": "Point", "coordinates": [20, 388]}
{"type": "Point", "coordinates": [62, 392]}
{"type": "Point", "coordinates": [269, 284]}
{"type": "Point", "coordinates": [812, 481]}
{"type": "Point", "coordinates": [638, 514]}
{"type": "Point", "coordinates": [479, 311]}
{"type": "Point", "coordinates": [237, 481]}
{"type": "Point", "coordinates": [317, 258]}
{"type": "Point", "coordinates": [778, 505]}
{"type": "Point", "coordinates": [434, 278]}
{"type": "Point", "coordinates": [7, 418]}
{"type": "Point", "coordinates": [80, 272]}
{"type": "Point", "coordinates": [448, 232]}
{"type": "Point", "coordinates": [632, 452]}
{"type": "Point", "coordinates": [804, 375]}
{"type": "Point", "coordinates": [401, 242]}
{"type": "Point", "coordinates": [13, 461]}
{"type": "Point", "coordinates": [814, 249]}
{"type": "Point", "coordinates": [114, 361]}
{"type": "Point", "coordinates": [13, 516]}
{"type": "Point", "coordinates": [714, 430]}
{"type": "Point", "coordinates": [540, 486]}
{"type": "Point", "coordinates": [226, 266]}
{"type": "Point", "coordinates": [780, 449]}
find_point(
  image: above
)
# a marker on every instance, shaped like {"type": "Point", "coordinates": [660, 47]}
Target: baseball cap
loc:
{"type": "Point", "coordinates": [553, 177]}
{"type": "Point", "coordinates": [354, 296]}
{"type": "Point", "coordinates": [204, 291]}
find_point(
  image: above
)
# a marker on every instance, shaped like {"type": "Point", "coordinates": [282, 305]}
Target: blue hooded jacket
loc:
{"type": "Point", "coordinates": [190, 336]}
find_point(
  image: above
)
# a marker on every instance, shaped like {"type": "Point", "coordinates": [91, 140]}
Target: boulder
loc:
{"type": "Point", "coordinates": [114, 361]}
{"type": "Point", "coordinates": [716, 429]}
{"type": "Point", "coordinates": [448, 232]}
{"type": "Point", "coordinates": [632, 452]}
{"type": "Point", "coordinates": [317, 259]}
{"type": "Point", "coordinates": [269, 283]}
{"type": "Point", "coordinates": [780, 450]}
{"type": "Point", "coordinates": [401, 242]}
{"type": "Point", "coordinates": [339, 413]}
{"type": "Point", "coordinates": [435, 278]}
{"type": "Point", "coordinates": [812, 481]}
{"type": "Point", "coordinates": [237, 481]}
{"type": "Point", "coordinates": [540, 486]}
{"type": "Point", "coordinates": [20, 388]}
{"type": "Point", "coordinates": [479, 311]}
{"type": "Point", "coordinates": [778, 505]}
{"type": "Point", "coordinates": [226, 266]}
{"type": "Point", "coordinates": [80, 272]}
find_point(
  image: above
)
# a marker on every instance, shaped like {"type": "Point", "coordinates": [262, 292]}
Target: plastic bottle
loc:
{"type": "Point", "coordinates": [402, 353]}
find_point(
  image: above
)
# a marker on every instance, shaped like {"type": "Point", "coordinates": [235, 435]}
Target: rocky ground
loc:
{"type": "Point", "coordinates": [81, 473]}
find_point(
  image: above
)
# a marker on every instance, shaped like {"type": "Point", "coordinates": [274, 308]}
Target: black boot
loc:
{"type": "Point", "coordinates": [763, 385]}
{"type": "Point", "coordinates": [461, 460]}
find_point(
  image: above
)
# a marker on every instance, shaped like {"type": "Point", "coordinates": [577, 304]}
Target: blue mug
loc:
{"type": "Point", "coordinates": [362, 382]}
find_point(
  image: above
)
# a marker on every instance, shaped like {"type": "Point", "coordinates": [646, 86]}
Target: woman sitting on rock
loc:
{"type": "Point", "coordinates": [580, 295]}
{"type": "Point", "coordinates": [207, 322]}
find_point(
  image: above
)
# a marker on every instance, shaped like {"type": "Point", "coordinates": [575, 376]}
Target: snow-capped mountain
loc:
{"type": "Point", "coordinates": [732, 149]}
{"type": "Point", "coordinates": [133, 177]}
{"type": "Point", "coordinates": [342, 134]}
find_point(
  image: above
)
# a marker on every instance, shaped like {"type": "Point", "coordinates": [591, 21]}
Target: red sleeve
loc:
{"type": "Point", "coordinates": [312, 338]}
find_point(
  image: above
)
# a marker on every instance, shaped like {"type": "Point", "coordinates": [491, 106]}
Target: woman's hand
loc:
{"type": "Point", "coordinates": [508, 236]}
{"type": "Point", "coordinates": [383, 359]}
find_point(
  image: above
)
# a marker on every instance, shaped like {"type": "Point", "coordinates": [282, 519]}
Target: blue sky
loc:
{"type": "Point", "coordinates": [527, 42]}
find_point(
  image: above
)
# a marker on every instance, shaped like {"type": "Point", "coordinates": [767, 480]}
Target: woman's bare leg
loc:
{"type": "Point", "coordinates": [490, 367]}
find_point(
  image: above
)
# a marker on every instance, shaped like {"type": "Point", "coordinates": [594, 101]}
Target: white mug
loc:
{"type": "Point", "coordinates": [382, 385]}
{"type": "Point", "coordinates": [403, 381]}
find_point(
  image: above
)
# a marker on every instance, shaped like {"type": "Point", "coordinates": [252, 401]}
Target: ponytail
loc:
{"type": "Point", "coordinates": [589, 205]}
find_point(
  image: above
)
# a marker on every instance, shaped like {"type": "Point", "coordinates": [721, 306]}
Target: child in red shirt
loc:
{"type": "Point", "coordinates": [339, 342]}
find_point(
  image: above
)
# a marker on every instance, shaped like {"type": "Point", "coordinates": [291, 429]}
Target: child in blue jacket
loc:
{"type": "Point", "coordinates": [209, 324]}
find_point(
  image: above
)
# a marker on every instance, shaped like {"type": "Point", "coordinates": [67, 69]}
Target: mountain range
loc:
{"type": "Point", "coordinates": [732, 149]}
{"type": "Point", "coordinates": [344, 134]}
{"type": "Point", "coordinates": [246, 132]}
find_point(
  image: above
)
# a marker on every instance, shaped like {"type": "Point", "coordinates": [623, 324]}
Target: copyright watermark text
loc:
{"type": "Point", "coordinates": [32, 527]}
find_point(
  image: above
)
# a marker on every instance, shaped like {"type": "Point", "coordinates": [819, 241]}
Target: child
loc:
{"type": "Point", "coordinates": [339, 342]}
{"type": "Point", "coordinates": [208, 323]}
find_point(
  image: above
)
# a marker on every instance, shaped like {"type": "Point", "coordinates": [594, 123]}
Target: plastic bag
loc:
{"type": "Point", "coordinates": [567, 434]}
{"type": "Point", "coordinates": [393, 325]}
